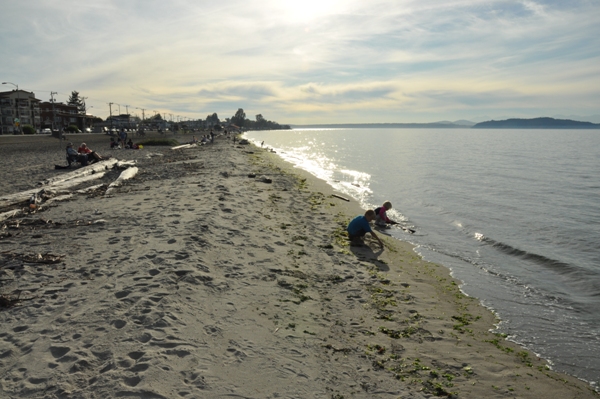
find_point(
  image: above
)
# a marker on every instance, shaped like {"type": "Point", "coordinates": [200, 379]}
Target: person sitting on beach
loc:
{"type": "Point", "coordinates": [381, 218]}
{"type": "Point", "coordinates": [91, 155]}
{"type": "Point", "coordinates": [359, 226]}
{"type": "Point", "coordinates": [73, 156]}
{"type": "Point", "coordinates": [129, 144]}
{"type": "Point", "coordinates": [113, 143]}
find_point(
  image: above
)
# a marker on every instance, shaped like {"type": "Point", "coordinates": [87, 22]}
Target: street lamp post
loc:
{"type": "Point", "coordinates": [86, 117]}
{"type": "Point", "coordinates": [18, 103]}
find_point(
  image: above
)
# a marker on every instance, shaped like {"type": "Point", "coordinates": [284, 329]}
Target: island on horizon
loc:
{"type": "Point", "coordinates": [512, 123]}
{"type": "Point", "coordinates": [536, 123]}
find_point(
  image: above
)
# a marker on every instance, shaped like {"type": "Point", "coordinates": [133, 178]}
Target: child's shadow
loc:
{"type": "Point", "coordinates": [367, 253]}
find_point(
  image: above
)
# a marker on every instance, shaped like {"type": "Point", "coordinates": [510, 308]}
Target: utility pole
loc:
{"type": "Point", "coordinates": [60, 137]}
{"type": "Point", "coordinates": [52, 93]}
{"type": "Point", "coordinates": [111, 119]}
{"type": "Point", "coordinates": [84, 114]}
{"type": "Point", "coordinates": [128, 118]}
{"type": "Point", "coordinates": [143, 116]}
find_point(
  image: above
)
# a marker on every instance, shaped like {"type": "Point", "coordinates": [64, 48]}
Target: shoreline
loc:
{"type": "Point", "coordinates": [194, 280]}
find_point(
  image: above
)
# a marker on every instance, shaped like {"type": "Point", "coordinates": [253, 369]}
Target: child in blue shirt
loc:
{"type": "Point", "coordinates": [359, 226]}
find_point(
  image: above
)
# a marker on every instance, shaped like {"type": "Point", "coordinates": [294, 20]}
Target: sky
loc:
{"type": "Point", "coordinates": [309, 61]}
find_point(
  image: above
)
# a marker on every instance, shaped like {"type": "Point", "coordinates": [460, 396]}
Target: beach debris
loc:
{"type": "Point", "coordinates": [46, 258]}
{"type": "Point", "coordinates": [265, 179]}
{"type": "Point", "coordinates": [7, 301]}
{"type": "Point", "coordinates": [89, 189]}
{"type": "Point", "coordinates": [408, 230]}
{"type": "Point", "coordinates": [333, 348]}
{"type": "Point", "coordinates": [225, 174]}
{"type": "Point", "coordinates": [125, 175]}
{"type": "Point", "coordinates": [10, 214]}
{"type": "Point", "coordinates": [84, 171]}
{"type": "Point", "coordinates": [340, 197]}
{"type": "Point", "coordinates": [252, 175]}
{"type": "Point", "coordinates": [243, 142]}
{"type": "Point", "coordinates": [125, 164]}
{"type": "Point", "coordinates": [183, 146]}
{"type": "Point", "coordinates": [21, 224]}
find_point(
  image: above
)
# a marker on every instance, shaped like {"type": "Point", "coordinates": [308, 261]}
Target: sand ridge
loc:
{"type": "Point", "coordinates": [194, 280]}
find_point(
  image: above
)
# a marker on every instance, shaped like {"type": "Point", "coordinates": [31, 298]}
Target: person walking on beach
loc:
{"type": "Point", "coordinates": [359, 226]}
{"type": "Point", "coordinates": [381, 218]}
{"type": "Point", "coordinates": [122, 137]}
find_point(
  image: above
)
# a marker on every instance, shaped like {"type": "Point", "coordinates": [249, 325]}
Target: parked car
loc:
{"type": "Point", "coordinates": [87, 130]}
{"type": "Point", "coordinates": [46, 131]}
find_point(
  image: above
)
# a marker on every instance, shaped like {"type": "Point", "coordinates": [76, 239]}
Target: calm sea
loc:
{"type": "Point", "coordinates": [515, 215]}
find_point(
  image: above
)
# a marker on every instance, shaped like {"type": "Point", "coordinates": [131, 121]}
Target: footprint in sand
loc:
{"type": "Point", "coordinates": [59, 351]}
{"type": "Point", "coordinates": [132, 381]}
{"type": "Point", "coordinates": [119, 324]}
{"type": "Point", "coordinates": [122, 294]}
{"type": "Point", "coordinates": [136, 355]}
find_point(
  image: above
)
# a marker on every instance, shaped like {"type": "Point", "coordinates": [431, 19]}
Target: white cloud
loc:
{"type": "Point", "coordinates": [329, 57]}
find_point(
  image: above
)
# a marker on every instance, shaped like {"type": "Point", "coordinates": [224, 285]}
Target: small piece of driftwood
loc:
{"type": "Point", "coordinates": [340, 197]}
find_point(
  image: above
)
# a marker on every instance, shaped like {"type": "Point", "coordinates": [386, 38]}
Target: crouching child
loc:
{"type": "Point", "coordinates": [359, 226]}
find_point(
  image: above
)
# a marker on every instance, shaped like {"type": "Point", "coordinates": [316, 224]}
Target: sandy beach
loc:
{"type": "Point", "coordinates": [221, 271]}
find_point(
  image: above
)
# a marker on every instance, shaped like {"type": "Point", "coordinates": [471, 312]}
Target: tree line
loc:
{"type": "Point", "coordinates": [239, 119]}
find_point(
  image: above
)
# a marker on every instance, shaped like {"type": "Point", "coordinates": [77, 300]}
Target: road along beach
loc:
{"type": "Point", "coordinates": [219, 270]}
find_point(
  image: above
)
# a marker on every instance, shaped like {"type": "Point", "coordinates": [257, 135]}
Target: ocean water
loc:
{"type": "Point", "coordinates": [514, 214]}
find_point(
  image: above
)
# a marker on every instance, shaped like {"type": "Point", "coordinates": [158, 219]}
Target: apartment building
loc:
{"type": "Point", "coordinates": [57, 116]}
{"type": "Point", "coordinates": [18, 108]}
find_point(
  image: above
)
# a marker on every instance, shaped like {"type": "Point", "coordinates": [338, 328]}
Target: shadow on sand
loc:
{"type": "Point", "coordinates": [367, 253]}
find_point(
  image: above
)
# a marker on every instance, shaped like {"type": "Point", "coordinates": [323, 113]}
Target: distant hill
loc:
{"type": "Point", "coordinates": [435, 125]}
{"type": "Point", "coordinates": [536, 123]}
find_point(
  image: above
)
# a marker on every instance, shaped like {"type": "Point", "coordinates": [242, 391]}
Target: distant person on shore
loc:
{"type": "Point", "coordinates": [92, 156]}
{"type": "Point", "coordinates": [359, 226]}
{"type": "Point", "coordinates": [113, 143]}
{"type": "Point", "coordinates": [122, 137]}
{"type": "Point", "coordinates": [381, 218]}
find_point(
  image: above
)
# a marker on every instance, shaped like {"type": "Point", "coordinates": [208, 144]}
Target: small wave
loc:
{"type": "Point", "coordinates": [539, 259]}
{"type": "Point", "coordinates": [575, 272]}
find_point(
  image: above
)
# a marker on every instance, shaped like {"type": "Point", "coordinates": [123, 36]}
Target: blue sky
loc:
{"type": "Point", "coordinates": [310, 61]}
